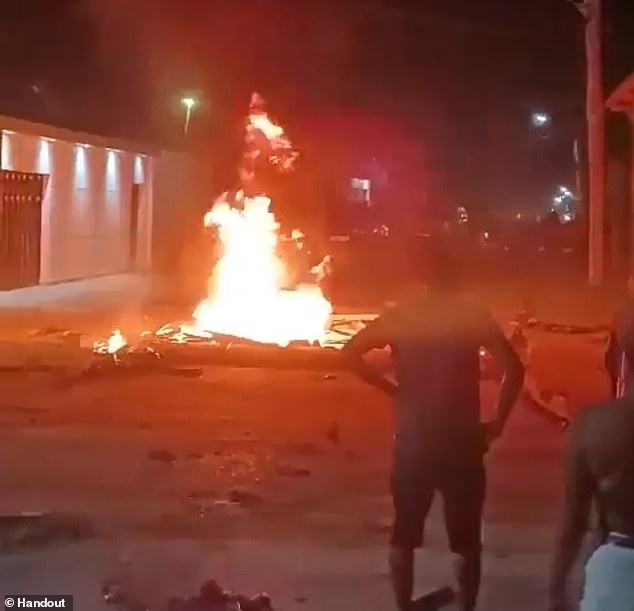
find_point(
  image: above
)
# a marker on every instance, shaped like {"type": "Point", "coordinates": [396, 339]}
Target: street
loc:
{"type": "Point", "coordinates": [262, 479]}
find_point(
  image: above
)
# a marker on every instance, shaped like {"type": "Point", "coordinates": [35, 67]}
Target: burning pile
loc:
{"type": "Point", "coordinates": [246, 299]}
{"type": "Point", "coordinates": [249, 298]}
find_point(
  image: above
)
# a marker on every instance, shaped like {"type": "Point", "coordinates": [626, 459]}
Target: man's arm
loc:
{"type": "Point", "coordinates": [579, 494]}
{"type": "Point", "coordinates": [495, 342]}
{"type": "Point", "coordinates": [375, 335]}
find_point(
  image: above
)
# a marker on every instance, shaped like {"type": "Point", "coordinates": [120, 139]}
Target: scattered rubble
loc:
{"type": "Point", "coordinates": [333, 434]}
{"type": "Point", "coordinates": [245, 498]}
{"type": "Point", "coordinates": [289, 471]}
{"type": "Point", "coordinates": [211, 597]}
{"type": "Point", "coordinates": [164, 456]}
{"type": "Point", "coordinates": [37, 529]}
{"type": "Point", "coordinates": [304, 448]}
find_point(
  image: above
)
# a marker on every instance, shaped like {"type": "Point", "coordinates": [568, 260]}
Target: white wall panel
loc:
{"type": "Point", "coordinates": [86, 207]}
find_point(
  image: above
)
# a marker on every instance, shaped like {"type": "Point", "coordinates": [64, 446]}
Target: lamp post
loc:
{"type": "Point", "coordinates": [189, 104]}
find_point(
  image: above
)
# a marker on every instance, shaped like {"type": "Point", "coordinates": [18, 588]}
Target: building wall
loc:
{"type": "Point", "coordinates": [86, 212]}
{"type": "Point", "coordinates": [183, 193]}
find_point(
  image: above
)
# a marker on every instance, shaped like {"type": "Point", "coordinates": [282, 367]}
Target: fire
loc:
{"type": "Point", "coordinates": [112, 345]}
{"type": "Point", "coordinates": [246, 298]}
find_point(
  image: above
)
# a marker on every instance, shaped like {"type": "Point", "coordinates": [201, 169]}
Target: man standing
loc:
{"type": "Point", "coordinates": [440, 442]}
{"type": "Point", "coordinates": [600, 474]}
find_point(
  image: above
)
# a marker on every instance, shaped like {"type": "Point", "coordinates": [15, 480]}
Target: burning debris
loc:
{"type": "Point", "coordinates": [113, 345]}
{"type": "Point", "coordinates": [254, 294]}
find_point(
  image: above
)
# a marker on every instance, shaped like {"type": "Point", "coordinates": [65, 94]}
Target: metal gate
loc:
{"type": "Point", "coordinates": [20, 228]}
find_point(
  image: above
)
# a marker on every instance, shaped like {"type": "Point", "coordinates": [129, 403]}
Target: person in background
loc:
{"type": "Point", "coordinates": [440, 443]}
{"type": "Point", "coordinates": [599, 474]}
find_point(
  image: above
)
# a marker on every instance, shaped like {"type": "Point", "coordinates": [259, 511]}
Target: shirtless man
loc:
{"type": "Point", "coordinates": [440, 442]}
{"type": "Point", "coordinates": [599, 473]}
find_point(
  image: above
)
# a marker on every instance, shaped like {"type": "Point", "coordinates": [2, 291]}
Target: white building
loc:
{"type": "Point", "coordinates": [96, 204]}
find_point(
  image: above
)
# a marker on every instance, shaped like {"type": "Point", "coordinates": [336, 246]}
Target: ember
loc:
{"type": "Point", "coordinates": [112, 345]}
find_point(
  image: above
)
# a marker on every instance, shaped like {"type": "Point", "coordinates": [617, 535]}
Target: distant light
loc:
{"type": "Point", "coordinates": [360, 183]}
{"type": "Point", "coordinates": [518, 216]}
{"type": "Point", "coordinates": [189, 103]}
{"type": "Point", "coordinates": [486, 235]}
{"type": "Point", "coordinates": [540, 119]}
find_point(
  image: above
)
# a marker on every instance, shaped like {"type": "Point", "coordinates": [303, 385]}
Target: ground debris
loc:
{"type": "Point", "coordinates": [164, 456]}
{"type": "Point", "coordinates": [211, 597]}
{"type": "Point", "coordinates": [201, 495]}
{"type": "Point", "coordinates": [304, 448]}
{"type": "Point", "coordinates": [333, 434]}
{"type": "Point", "coordinates": [245, 498]}
{"type": "Point", "coordinates": [290, 471]}
{"type": "Point", "coordinates": [36, 529]}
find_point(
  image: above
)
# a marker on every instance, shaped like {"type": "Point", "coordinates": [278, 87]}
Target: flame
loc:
{"type": "Point", "coordinates": [282, 155]}
{"type": "Point", "coordinates": [246, 299]}
{"type": "Point", "coordinates": [112, 345]}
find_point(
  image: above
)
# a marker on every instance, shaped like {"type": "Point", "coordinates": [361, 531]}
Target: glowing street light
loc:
{"type": "Point", "coordinates": [540, 119]}
{"type": "Point", "coordinates": [189, 104]}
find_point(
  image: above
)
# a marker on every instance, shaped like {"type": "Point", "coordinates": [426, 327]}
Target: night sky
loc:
{"type": "Point", "coordinates": [436, 95]}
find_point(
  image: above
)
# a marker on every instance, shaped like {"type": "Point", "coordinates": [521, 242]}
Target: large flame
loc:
{"type": "Point", "coordinates": [246, 298]}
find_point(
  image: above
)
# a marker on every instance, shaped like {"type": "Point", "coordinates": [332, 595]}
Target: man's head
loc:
{"type": "Point", "coordinates": [438, 268]}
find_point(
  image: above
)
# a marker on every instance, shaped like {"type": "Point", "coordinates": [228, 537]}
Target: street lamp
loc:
{"type": "Point", "coordinates": [189, 104]}
{"type": "Point", "coordinates": [540, 118]}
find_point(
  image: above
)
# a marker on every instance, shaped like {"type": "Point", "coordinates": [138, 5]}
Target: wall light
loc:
{"type": "Point", "coordinates": [5, 152]}
{"type": "Point", "coordinates": [139, 170]}
{"type": "Point", "coordinates": [81, 170]}
{"type": "Point", "coordinates": [112, 170]}
{"type": "Point", "coordinates": [44, 157]}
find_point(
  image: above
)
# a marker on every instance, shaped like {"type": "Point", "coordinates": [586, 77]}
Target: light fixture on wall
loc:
{"type": "Point", "coordinates": [44, 157]}
{"type": "Point", "coordinates": [112, 170]}
{"type": "Point", "coordinates": [139, 170]}
{"type": "Point", "coordinates": [81, 170]}
{"type": "Point", "coordinates": [6, 162]}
